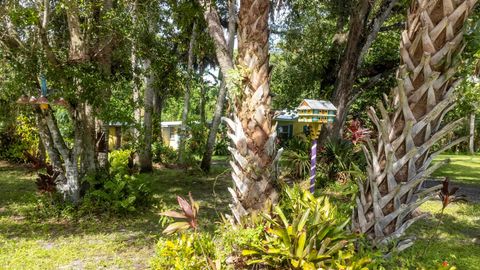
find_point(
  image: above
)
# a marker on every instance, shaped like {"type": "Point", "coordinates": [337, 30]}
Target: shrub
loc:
{"type": "Point", "coordinates": [18, 139]}
{"type": "Point", "coordinates": [163, 154]}
{"type": "Point", "coordinates": [118, 192]}
{"type": "Point", "coordinates": [222, 142]}
{"type": "Point", "coordinates": [340, 161]}
{"type": "Point", "coordinates": [188, 251]}
{"type": "Point", "coordinates": [295, 160]}
{"type": "Point", "coordinates": [297, 164]}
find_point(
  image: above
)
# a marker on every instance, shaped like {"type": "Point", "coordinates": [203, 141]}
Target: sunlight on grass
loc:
{"type": "Point", "coordinates": [457, 240]}
{"type": "Point", "coordinates": [29, 242]}
{"type": "Point", "coordinates": [462, 168]}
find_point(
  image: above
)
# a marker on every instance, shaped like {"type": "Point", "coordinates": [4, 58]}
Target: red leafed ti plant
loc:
{"type": "Point", "coordinates": [46, 183]}
{"type": "Point", "coordinates": [189, 214]}
{"type": "Point", "coordinates": [447, 195]}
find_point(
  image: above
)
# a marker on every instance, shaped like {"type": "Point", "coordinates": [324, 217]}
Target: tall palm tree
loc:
{"type": "Point", "coordinates": [254, 153]}
{"type": "Point", "coordinates": [400, 158]}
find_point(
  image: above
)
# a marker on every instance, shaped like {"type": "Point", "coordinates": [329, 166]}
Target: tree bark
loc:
{"type": "Point", "coordinates": [135, 80]}
{"type": "Point", "coordinates": [47, 142]}
{"type": "Point", "coordinates": [471, 144]}
{"type": "Point", "coordinates": [203, 98]}
{"type": "Point", "coordinates": [105, 61]}
{"type": "Point", "coordinates": [362, 33]}
{"type": "Point", "coordinates": [410, 123]}
{"type": "Point", "coordinates": [217, 115]}
{"type": "Point", "coordinates": [146, 151]}
{"type": "Point", "coordinates": [186, 99]}
{"type": "Point", "coordinates": [71, 189]}
{"type": "Point", "coordinates": [253, 136]}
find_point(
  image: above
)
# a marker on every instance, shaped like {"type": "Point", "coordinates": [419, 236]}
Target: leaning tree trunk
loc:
{"type": "Point", "coordinates": [222, 94]}
{"type": "Point", "coordinates": [399, 160]}
{"type": "Point", "coordinates": [254, 150]}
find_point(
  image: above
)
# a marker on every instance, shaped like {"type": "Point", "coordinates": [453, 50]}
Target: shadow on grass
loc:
{"type": "Point", "coordinates": [460, 173]}
{"type": "Point", "coordinates": [456, 241]}
{"type": "Point", "coordinates": [18, 202]}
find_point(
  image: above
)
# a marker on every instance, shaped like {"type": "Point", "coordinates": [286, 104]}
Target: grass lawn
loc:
{"type": "Point", "coordinates": [457, 240]}
{"type": "Point", "coordinates": [30, 242]}
{"type": "Point", "coordinates": [462, 168]}
{"type": "Point", "coordinates": [27, 242]}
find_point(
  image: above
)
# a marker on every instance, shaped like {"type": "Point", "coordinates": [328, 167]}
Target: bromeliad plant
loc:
{"type": "Point", "coordinates": [305, 234]}
{"type": "Point", "coordinates": [189, 214]}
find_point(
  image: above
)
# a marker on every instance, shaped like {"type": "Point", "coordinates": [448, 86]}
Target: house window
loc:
{"type": "Point", "coordinates": [284, 132]}
{"type": "Point", "coordinates": [315, 111]}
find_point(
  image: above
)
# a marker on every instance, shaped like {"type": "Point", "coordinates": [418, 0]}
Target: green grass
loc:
{"type": "Point", "coordinates": [462, 168]}
{"type": "Point", "coordinates": [27, 242]}
{"type": "Point", "coordinates": [457, 240]}
{"type": "Point", "coordinates": [30, 242]}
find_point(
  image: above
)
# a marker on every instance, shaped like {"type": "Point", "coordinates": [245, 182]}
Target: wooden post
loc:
{"type": "Point", "coordinates": [313, 165]}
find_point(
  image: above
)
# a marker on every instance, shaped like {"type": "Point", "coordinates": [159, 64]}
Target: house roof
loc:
{"type": "Point", "coordinates": [316, 105]}
{"type": "Point", "coordinates": [285, 115]}
{"type": "Point", "coordinates": [171, 124]}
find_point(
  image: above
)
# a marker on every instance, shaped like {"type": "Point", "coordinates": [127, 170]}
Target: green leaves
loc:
{"type": "Point", "coordinates": [303, 234]}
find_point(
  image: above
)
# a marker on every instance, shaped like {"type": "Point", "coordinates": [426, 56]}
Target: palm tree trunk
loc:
{"type": "Point", "coordinates": [399, 160]}
{"type": "Point", "coordinates": [254, 149]}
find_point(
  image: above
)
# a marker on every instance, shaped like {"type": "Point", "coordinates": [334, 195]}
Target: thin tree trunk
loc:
{"type": "Point", "coordinates": [146, 151]}
{"type": "Point", "coordinates": [203, 99]}
{"type": "Point", "coordinates": [218, 113]}
{"type": "Point", "coordinates": [106, 65]}
{"type": "Point", "coordinates": [54, 156]}
{"type": "Point", "coordinates": [471, 145]}
{"type": "Point", "coordinates": [137, 112]}
{"type": "Point", "coordinates": [186, 99]}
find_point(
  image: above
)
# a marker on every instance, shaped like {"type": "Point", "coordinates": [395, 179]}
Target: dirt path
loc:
{"type": "Point", "coordinates": [471, 191]}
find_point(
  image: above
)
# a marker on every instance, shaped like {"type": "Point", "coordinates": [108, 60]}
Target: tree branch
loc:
{"type": "Point", "coordinates": [42, 26]}
{"type": "Point", "coordinates": [77, 52]}
{"type": "Point", "coordinates": [215, 30]}
{"type": "Point", "coordinates": [374, 27]}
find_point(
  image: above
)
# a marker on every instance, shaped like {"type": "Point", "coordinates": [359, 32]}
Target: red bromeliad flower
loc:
{"type": "Point", "coordinates": [357, 132]}
{"type": "Point", "coordinates": [444, 263]}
